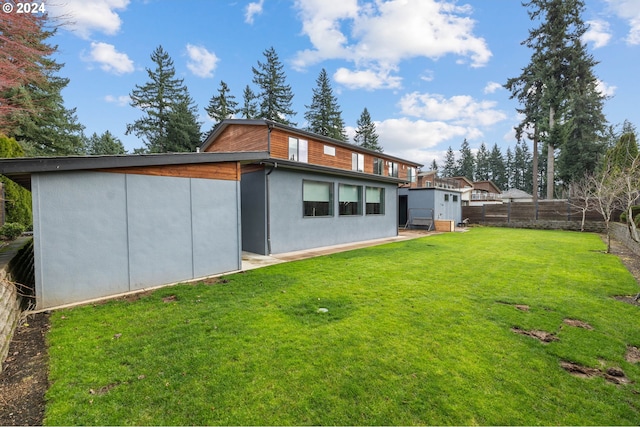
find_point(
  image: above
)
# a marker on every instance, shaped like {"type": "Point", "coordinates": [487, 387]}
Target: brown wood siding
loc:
{"type": "Point", "coordinates": [341, 160]}
{"type": "Point", "coordinates": [256, 138]}
{"type": "Point", "coordinates": [279, 144]}
{"type": "Point", "coordinates": [229, 171]}
{"type": "Point", "coordinates": [241, 138]}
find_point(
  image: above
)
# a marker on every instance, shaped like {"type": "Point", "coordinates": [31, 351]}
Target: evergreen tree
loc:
{"type": "Point", "coordinates": [275, 96]}
{"type": "Point", "coordinates": [434, 166]}
{"type": "Point", "coordinates": [449, 168]}
{"type": "Point", "coordinates": [466, 162]}
{"type": "Point", "coordinates": [557, 86]}
{"type": "Point", "coordinates": [521, 168]}
{"type": "Point", "coordinates": [249, 109]}
{"type": "Point", "coordinates": [32, 109]}
{"type": "Point", "coordinates": [584, 141]}
{"type": "Point", "coordinates": [323, 116]}
{"type": "Point", "coordinates": [183, 129]}
{"type": "Point", "coordinates": [222, 106]}
{"type": "Point", "coordinates": [159, 99]}
{"type": "Point", "coordinates": [104, 144]}
{"type": "Point", "coordinates": [483, 166]}
{"type": "Point", "coordinates": [17, 199]}
{"type": "Point", "coordinates": [621, 156]}
{"type": "Point", "coordinates": [498, 169]}
{"type": "Point", "coordinates": [509, 165]}
{"type": "Point", "coordinates": [366, 135]}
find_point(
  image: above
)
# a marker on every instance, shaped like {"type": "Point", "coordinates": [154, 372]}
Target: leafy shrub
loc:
{"type": "Point", "coordinates": [11, 230]}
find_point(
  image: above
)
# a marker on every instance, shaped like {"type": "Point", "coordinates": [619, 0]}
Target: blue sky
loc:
{"type": "Point", "coordinates": [429, 72]}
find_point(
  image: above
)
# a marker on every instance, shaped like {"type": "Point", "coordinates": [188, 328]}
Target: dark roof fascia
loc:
{"type": "Point", "coordinates": [20, 169]}
{"type": "Point", "coordinates": [73, 163]}
{"type": "Point", "coordinates": [287, 164]}
{"type": "Point", "coordinates": [213, 135]}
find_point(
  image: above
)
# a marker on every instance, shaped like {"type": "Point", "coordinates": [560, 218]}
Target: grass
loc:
{"type": "Point", "coordinates": [416, 332]}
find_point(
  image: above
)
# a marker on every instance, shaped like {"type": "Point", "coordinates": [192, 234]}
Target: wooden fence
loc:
{"type": "Point", "coordinates": [544, 210]}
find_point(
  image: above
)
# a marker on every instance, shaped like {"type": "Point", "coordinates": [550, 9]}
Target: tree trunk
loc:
{"type": "Point", "coordinates": [633, 230]}
{"type": "Point", "coordinates": [535, 169]}
{"type": "Point", "coordinates": [550, 156]}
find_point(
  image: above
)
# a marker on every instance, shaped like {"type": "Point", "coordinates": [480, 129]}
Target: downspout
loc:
{"type": "Point", "coordinates": [267, 190]}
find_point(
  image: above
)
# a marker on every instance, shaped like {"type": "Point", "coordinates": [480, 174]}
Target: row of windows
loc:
{"type": "Point", "coordinates": [299, 152]}
{"type": "Point", "coordinates": [318, 199]}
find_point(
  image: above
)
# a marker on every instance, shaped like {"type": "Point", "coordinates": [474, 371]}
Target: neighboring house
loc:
{"type": "Point", "coordinates": [311, 191]}
{"type": "Point", "coordinates": [515, 195]}
{"type": "Point", "coordinates": [108, 225]}
{"type": "Point", "coordinates": [485, 192]}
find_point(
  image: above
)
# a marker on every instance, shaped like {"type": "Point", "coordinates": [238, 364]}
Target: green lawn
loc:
{"type": "Point", "coordinates": [417, 332]}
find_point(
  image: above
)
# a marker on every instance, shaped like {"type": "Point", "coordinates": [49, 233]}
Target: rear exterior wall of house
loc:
{"type": "Point", "coordinates": [287, 226]}
{"type": "Point", "coordinates": [99, 234]}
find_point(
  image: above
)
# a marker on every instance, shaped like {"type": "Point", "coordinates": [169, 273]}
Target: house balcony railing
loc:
{"type": "Point", "coordinates": [485, 196]}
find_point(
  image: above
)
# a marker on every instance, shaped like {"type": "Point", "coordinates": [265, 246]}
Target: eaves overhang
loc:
{"type": "Point", "coordinates": [306, 167]}
{"type": "Point", "coordinates": [21, 169]}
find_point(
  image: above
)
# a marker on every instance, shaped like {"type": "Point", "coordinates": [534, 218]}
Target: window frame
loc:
{"type": "Point", "coordinates": [298, 152]}
{"type": "Point", "coordinates": [346, 208]}
{"type": "Point", "coordinates": [357, 162]}
{"type": "Point", "coordinates": [370, 208]}
{"type": "Point", "coordinates": [393, 169]}
{"type": "Point", "coordinates": [378, 166]}
{"type": "Point", "coordinates": [330, 203]}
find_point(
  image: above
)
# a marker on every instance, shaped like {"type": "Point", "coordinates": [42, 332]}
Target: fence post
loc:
{"type": "Point", "coordinates": [483, 218]}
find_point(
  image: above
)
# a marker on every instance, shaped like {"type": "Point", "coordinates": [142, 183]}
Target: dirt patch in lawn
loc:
{"type": "Point", "coordinates": [577, 323]}
{"type": "Point", "coordinates": [541, 336]}
{"type": "Point", "coordinates": [633, 354]}
{"type": "Point", "coordinates": [613, 375]}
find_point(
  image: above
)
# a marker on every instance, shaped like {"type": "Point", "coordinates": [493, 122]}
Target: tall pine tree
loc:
{"type": "Point", "coordinates": [366, 135]}
{"type": "Point", "coordinates": [498, 168]}
{"type": "Point", "coordinates": [449, 169]}
{"type": "Point", "coordinates": [223, 105]}
{"type": "Point", "coordinates": [164, 98]}
{"type": "Point", "coordinates": [483, 167]}
{"type": "Point", "coordinates": [249, 109]}
{"type": "Point", "coordinates": [466, 163]}
{"type": "Point", "coordinates": [323, 116]}
{"type": "Point", "coordinates": [275, 97]}
{"type": "Point", "coordinates": [558, 84]}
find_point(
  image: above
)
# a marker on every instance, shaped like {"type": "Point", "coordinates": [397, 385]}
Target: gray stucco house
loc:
{"type": "Point", "coordinates": [109, 225]}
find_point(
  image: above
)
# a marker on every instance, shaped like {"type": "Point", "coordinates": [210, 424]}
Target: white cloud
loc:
{"type": "Point", "coordinates": [201, 62]}
{"type": "Point", "coordinates": [628, 10]}
{"type": "Point", "coordinates": [121, 101]}
{"type": "Point", "coordinates": [492, 87]}
{"type": "Point", "coordinates": [459, 110]}
{"type": "Point", "coordinates": [599, 33]}
{"type": "Point", "coordinates": [411, 139]}
{"type": "Point", "coordinates": [366, 79]}
{"type": "Point", "coordinates": [84, 17]}
{"type": "Point", "coordinates": [110, 59]}
{"type": "Point", "coordinates": [605, 89]}
{"type": "Point", "coordinates": [383, 34]}
{"type": "Point", "coordinates": [254, 8]}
